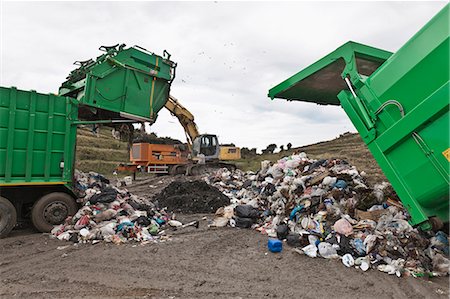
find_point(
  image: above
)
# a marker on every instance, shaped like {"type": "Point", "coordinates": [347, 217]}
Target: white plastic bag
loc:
{"type": "Point", "coordinates": [310, 250]}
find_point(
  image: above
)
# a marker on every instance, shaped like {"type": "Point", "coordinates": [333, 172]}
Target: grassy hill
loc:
{"type": "Point", "coordinates": [100, 154]}
{"type": "Point", "coordinates": [349, 147]}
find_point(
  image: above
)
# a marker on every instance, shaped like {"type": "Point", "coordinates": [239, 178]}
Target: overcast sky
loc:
{"type": "Point", "coordinates": [229, 55]}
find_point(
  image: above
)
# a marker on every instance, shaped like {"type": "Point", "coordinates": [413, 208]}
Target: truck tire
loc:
{"type": "Point", "coordinates": [52, 209]}
{"type": "Point", "coordinates": [8, 217]}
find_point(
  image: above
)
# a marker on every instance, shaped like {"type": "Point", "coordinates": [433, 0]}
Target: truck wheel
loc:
{"type": "Point", "coordinates": [8, 217]}
{"type": "Point", "coordinates": [52, 209]}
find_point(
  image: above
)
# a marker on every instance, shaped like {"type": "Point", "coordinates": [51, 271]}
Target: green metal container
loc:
{"type": "Point", "coordinates": [399, 103]}
{"type": "Point", "coordinates": [122, 83]}
{"type": "Point", "coordinates": [37, 138]}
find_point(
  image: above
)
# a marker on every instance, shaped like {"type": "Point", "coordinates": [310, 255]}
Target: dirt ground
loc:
{"type": "Point", "coordinates": [195, 263]}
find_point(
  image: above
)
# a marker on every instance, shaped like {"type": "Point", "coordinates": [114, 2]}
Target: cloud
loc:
{"type": "Point", "coordinates": [229, 54]}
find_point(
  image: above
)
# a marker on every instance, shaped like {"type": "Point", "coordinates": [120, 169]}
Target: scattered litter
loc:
{"type": "Point", "coordinates": [326, 208]}
{"type": "Point", "coordinates": [348, 260]}
{"type": "Point", "coordinates": [114, 215]}
{"type": "Point", "coordinates": [174, 223]}
{"type": "Point", "coordinates": [310, 250]}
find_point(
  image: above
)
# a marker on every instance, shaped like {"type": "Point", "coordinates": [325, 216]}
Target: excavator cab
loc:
{"type": "Point", "coordinates": [207, 145]}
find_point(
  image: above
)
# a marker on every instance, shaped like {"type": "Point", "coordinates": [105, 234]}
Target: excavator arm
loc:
{"type": "Point", "coordinates": [209, 144]}
{"type": "Point", "coordinates": [185, 118]}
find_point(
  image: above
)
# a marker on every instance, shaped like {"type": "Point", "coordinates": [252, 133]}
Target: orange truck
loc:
{"type": "Point", "coordinates": [156, 158]}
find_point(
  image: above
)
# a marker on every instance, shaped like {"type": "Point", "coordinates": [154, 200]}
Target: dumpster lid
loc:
{"type": "Point", "coordinates": [321, 81]}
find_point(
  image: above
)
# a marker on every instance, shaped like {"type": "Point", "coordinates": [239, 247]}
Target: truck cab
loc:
{"type": "Point", "coordinates": [207, 145]}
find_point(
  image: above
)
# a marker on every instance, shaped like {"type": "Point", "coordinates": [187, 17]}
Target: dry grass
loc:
{"type": "Point", "coordinates": [100, 154]}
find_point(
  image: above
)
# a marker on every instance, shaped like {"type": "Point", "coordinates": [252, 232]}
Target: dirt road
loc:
{"type": "Point", "coordinates": [195, 263]}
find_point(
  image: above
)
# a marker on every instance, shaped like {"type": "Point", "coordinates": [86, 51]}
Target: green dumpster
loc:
{"type": "Point", "coordinates": [122, 83]}
{"type": "Point", "coordinates": [399, 103]}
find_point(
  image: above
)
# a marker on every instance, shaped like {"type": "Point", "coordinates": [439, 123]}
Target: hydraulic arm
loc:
{"type": "Point", "coordinates": [185, 118]}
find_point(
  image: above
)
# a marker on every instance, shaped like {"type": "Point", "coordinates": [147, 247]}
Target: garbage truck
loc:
{"type": "Point", "coordinates": [38, 131]}
{"type": "Point", "coordinates": [399, 104]}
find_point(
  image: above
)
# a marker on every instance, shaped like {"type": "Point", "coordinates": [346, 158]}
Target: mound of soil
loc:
{"type": "Point", "coordinates": [191, 197]}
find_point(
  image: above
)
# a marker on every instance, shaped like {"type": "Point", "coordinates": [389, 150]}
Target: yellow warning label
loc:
{"type": "Point", "coordinates": [446, 154]}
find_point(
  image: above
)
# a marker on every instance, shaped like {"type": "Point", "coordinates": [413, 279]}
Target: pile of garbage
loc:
{"type": "Point", "coordinates": [325, 208]}
{"type": "Point", "coordinates": [191, 197]}
{"type": "Point", "coordinates": [112, 215]}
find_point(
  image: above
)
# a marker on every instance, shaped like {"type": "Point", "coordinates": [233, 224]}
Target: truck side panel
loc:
{"type": "Point", "coordinates": [37, 138]}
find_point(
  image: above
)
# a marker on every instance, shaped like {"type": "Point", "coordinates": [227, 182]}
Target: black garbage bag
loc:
{"type": "Point", "coordinates": [247, 184]}
{"type": "Point", "coordinates": [269, 189]}
{"type": "Point", "coordinates": [317, 164]}
{"type": "Point", "coordinates": [243, 222]}
{"type": "Point", "coordinates": [282, 231]}
{"type": "Point", "coordinates": [246, 211]}
{"type": "Point", "coordinates": [106, 196]}
{"type": "Point", "coordinates": [344, 244]}
{"type": "Point", "coordinates": [143, 221]}
{"type": "Point", "coordinates": [293, 239]}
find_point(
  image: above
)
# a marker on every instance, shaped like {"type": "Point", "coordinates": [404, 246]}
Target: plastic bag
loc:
{"type": "Point", "coordinates": [292, 164]}
{"type": "Point", "coordinates": [293, 239]}
{"type": "Point", "coordinates": [220, 222]}
{"type": "Point", "coordinates": [310, 250]}
{"type": "Point", "coordinates": [340, 184]}
{"type": "Point", "coordinates": [343, 227]}
{"type": "Point", "coordinates": [329, 181]}
{"type": "Point", "coordinates": [244, 222]}
{"type": "Point", "coordinates": [326, 250]}
{"type": "Point", "coordinates": [370, 242]}
{"type": "Point", "coordinates": [282, 231]}
{"type": "Point", "coordinates": [246, 211]}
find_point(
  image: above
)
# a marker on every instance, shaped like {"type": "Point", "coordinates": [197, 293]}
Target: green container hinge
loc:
{"type": "Point", "coordinates": [399, 103]}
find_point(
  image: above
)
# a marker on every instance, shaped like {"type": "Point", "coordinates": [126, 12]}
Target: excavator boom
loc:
{"type": "Point", "coordinates": [185, 118]}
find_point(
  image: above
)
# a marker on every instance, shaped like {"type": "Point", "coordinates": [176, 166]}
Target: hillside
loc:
{"type": "Point", "coordinates": [349, 147]}
{"type": "Point", "coordinates": [100, 154]}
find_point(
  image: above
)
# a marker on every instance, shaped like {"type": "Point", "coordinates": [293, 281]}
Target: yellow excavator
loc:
{"type": "Point", "coordinates": [204, 150]}
{"type": "Point", "coordinates": [200, 144]}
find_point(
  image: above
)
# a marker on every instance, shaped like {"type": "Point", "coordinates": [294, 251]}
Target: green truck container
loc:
{"type": "Point", "coordinates": [399, 103]}
{"type": "Point", "coordinates": [38, 131]}
{"type": "Point", "coordinates": [129, 83]}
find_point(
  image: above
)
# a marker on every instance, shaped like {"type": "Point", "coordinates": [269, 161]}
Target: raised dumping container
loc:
{"type": "Point", "coordinates": [399, 103]}
{"type": "Point", "coordinates": [122, 83]}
